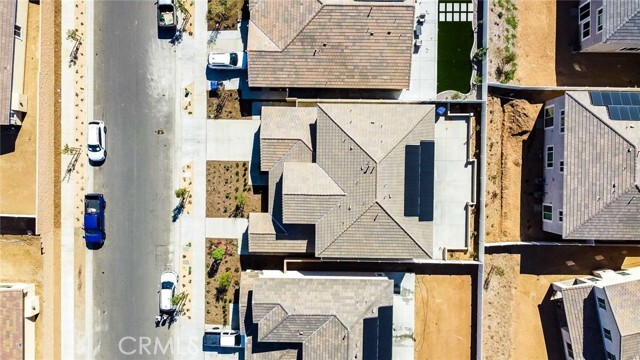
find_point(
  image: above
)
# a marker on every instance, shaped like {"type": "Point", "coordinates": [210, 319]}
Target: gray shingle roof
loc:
{"type": "Point", "coordinates": [601, 200]}
{"type": "Point", "coordinates": [624, 299]}
{"type": "Point", "coordinates": [582, 321]}
{"type": "Point", "coordinates": [12, 324]}
{"type": "Point", "coordinates": [325, 314]}
{"type": "Point", "coordinates": [335, 44]}
{"type": "Point", "coordinates": [7, 22]}
{"type": "Point", "coordinates": [360, 174]}
{"type": "Point", "coordinates": [621, 21]}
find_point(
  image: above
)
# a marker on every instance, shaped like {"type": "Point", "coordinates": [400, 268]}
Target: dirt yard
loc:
{"type": "Point", "coordinates": [226, 104]}
{"type": "Point", "coordinates": [546, 46]}
{"type": "Point", "coordinates": [224, 14]}
{"type": "Point", "coordinates": [442, 317]}
{"type": "Point", "coordinates": [227, 185]}
{"type": "Point", "coordinates": [20, 261]}
{"type": "Point", "coordinates": [18, 168]}
{"type": "Point", "coordinates": [218, 300]}
{"type": "Point", "coordinates": [512, 166]}
{"type": "Point", "coordinates": [519, 321]}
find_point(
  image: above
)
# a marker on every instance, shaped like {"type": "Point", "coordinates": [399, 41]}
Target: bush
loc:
{"type": "Point", "coordinates": [221, 10]}
{"type": "Point", "coordinates": [218, 254]}
{"type": "Point", "coordinates": [225, 281]}
{"type": "Point", "coordinates": [181, 193]}
{"type": "Point", "coordinates": [509, 57]}
{"type": "Point", "coordinates": [512, 22]}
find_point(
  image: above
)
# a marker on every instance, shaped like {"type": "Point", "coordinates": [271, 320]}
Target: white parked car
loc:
{"type": "Point", "coordinates": [229, 61]}
{"type": "Point", "coordinates": [97, 141]}
{"type": "Point", "coordinates": [168, 286]}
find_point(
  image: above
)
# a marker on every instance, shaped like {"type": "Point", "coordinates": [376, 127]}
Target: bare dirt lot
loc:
{"type": "Point", "coordinates": [513, 164]}
{"type": "Point", "coordinates": [218, 298]}
{"type": "Point", "coordinates": [227, 185]}
{"type": "Point", "coordinates": [226, 104]}
{"type": "Point", "coordinates": [546, 56]}
{"type": "Point", "coordinates": [20, 261]}
{"type": "Point", "coordinates": [442, 317]}
{"type": "Point", "coordinates": [519, 321]}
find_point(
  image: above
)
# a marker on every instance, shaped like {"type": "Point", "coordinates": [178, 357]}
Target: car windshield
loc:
{"type": "Point", "coordinates": [94, 148]}
{"type": "Point", "coordinates": [167, 285]}
{"type": "Point", "coordinates": [233, 59]}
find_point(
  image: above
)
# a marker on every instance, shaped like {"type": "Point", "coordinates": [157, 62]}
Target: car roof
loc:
{"type": "Point", "coordinates": [92, 133]}
{"type": "Point", "coordinates": [219, 58]}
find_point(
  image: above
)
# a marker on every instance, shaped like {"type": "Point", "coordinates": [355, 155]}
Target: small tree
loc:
{"type": "Point", "coordinates": [181, 193]}
{"type": "Point", "coordinates": [241, 201]}
{"type": "Point", "coordinates": [224, 282]}
{"type": "Point", "coordinates": [176, 300]}
{"type": "Point", "coordinates": [72, 34]}
{"type": "Point", "coordinates": [218, 254]}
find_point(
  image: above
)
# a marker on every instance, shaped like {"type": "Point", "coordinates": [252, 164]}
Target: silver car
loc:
{"type": "Point", "coordinates": [96, 142]}
{"type": "Point", "coordinates": [168, 285]}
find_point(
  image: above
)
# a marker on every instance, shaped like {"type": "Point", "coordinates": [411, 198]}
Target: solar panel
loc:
{"type": "Point", "coordinates": [624, 112]}
{"type": "Point", "coordinates": [606, 98]}
{"type": "Point", "coordinates": [625, 98]}
{"type": "Point", "coordinates": [615, 98]}
{"type": "Point", "coordinates": [635, 98]}
{"type": "Point", "coordinates": [596, 98]}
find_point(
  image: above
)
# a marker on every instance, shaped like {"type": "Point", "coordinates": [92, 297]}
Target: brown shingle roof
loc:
{"type": "Point", "coordinates": [332, 44]}
{"type": "Point", "coordinates": [7, 22]}
{"type": "Point", "coordinates": [12, 324]}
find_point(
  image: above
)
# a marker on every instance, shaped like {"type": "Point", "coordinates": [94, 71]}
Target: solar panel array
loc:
{"type": "Point", "coordinates": [621, 105]}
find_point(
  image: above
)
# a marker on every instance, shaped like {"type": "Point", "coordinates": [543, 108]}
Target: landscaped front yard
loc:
{"type": "Point", "coordinates": [228, 191]}
{"type": "Point", "coordinates": [226, 104]}
{"type": "Point", "coordinates": [225, 13]}
{"type": "Point", "coordinates": [221, 280]}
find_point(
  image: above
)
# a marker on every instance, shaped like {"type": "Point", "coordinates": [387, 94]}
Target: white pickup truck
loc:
{"type": "Point", "coordinates": [167, 17]}
{"type": "Point", "coordinates": [215, 338]}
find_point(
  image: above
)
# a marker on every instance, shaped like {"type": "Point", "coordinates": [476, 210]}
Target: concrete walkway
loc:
{"type": "Point", "coordinates": [403, 315]}
{"type": "Point", "coordinates": [453, 189]}
{"type": "Point", "coordinates": [191, 132]}
{"type": "Point", "coordinates": [228, 228]}
{"type": "Point", "coordinates": [424, 61]}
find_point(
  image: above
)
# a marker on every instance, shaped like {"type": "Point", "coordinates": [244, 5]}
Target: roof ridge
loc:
{"type": "Point", "coordinates": [296, 141]}
{"type": "Point", "coordinates": [345, 229]}
{"type": "Point", "coordinates": [322, 5]}
{"type": "Point", "coordinates": [278, 324]}
{"type": "Point", "coordinates": [379, 295]}
{"type": "Point", "coordinates": [604, 207]}
{"type": "Point", "coordinates": [623, 23]}
{"type": "Point", "coordinates": [263, 33]}
{"type": "Point", "coordinates": [407, 134]}
{"type": "Point", "coordinates": [400, 226]}
{"type": "Point", "coordinates": [331, 316]}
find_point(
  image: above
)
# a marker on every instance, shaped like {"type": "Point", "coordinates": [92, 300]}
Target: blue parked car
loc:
{"type": "Point", "coordinates": [94, 229]}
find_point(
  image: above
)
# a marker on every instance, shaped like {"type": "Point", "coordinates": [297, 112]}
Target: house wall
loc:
{"type": "Point", "coordinates": [566, 339]}
{"type": "Point", "coordinates": [607, 321]}
{"type": "Point", "coordinates": [595, 39]}
{"type": "Point", "coordinates": [612, 47]}
{"type": "Point", "coordinates": [19, 56]}
{"type": "Point", "coordinates": [553, 178]}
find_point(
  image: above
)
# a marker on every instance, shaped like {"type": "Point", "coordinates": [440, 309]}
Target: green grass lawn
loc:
{"type": "Point", "coordinates": [455, 40]}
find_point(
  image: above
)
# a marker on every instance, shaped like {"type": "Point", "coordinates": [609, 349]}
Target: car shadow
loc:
{"type": "Point", "coordinates": [166, 34]}
{"type": "Point", "coordinates": [223, 75]}
{"type": "Point", "coordinates": [98, 163]}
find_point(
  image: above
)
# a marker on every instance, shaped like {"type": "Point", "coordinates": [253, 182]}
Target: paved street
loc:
{"type": "Point", "coordinates": [135, 96]}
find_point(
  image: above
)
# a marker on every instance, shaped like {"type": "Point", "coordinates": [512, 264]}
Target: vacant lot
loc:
{"type": "Point", "coordinates": [226, 104]}
{"type": "Point", "coordinates": [20, 261]}
{"type": "Point", "coordinates": [228, 191]}
{"type": "Point", "coordinates": [218, 295]}
{"type": "Point", "coordinates": [513, 165]}
{"type": "Point", "coordinates": [519, 321]}
{"type": "Point", "coordinates": [442, 317]}
{"type": "Point", "coordinates": [546, 56]}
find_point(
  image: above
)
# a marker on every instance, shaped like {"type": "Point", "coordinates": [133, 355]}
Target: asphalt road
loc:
{"type": "Point", "coordinates": [134, 94]}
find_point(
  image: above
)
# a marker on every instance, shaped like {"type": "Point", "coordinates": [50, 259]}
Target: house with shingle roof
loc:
{"type": "Point", "coordinates": [13, 42]}
{"type": "Point", "coordinates": [343, 44]}
{"type": "Point", "coordinates": [19, 307]}
{"type": "Point", "coordinates": [351, 181]}
{"type": "Point", "coordinates": [609, 25]}
{"type": "Point", "coordinates": [591, 166]}
{"type": "Point", "coordinates": [316, 316]}
{"type": "Point", "coordinates": [600, 317]}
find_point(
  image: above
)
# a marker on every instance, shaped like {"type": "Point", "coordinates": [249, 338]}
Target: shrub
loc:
{"type": "Point", "coordinates": [224, 281]}
{"type": "Point", "coordinates": [512, 21]}
{"type": "Point", "coordinates": [181, 193]}
{"type": "Point", "coordinates": [218, 254]}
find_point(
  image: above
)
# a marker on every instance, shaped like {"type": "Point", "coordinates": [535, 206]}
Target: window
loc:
{"type": "Point", "coordinates": [585, 20]}
{"type": "Point", "coordinates": [630, 49]}
{"type": "Point", "coordinates": [599, 25]}
{"type": "Point", "coordinates": [560, 215]}
{"type": "Point", "coordinates": [570, 350]}
{"type": "Point", "coordinates": [562, 120]}
{"type": "Point", "coordinates": [550, 157]}
{"type": "Point", "coordinates": [610, 356]}
{"type": "Point", "coordinates": [561, 166]}
{"type": "Point", "coordinates": [585, 12]}
{"type": "Point", "coordinates": [601, 304]}
{"type": "Point", "coordinates": [548, 117]}
{"type": "Point", "coordinates": [624, 273]}
{"type": "Point", "coordinates": [17, 31]}
{"type": "Point", "coordinates": [547, 212]}
{"type": "Point", "coordinates": [607, 334]}
{"type": "Point", "coordinates": [585, 30]}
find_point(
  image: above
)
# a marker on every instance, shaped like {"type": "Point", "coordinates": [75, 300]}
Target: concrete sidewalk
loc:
{"type": "Point", "coordinates": [191, 132]}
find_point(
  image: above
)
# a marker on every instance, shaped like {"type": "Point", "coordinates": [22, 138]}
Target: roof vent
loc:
{"type": "Point", "coordinates": [300, 332]}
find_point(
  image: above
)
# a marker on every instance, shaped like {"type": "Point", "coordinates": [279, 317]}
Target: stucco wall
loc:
{"type": "Point", "coordinates": [607, 321]}
{"type": "Point", "coordinates": [553, 178]}
{"type": "Point", "coordinates": [20, 50]}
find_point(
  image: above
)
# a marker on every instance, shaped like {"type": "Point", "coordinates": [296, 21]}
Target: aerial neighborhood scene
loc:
{"type": "Point", "coordinates": [320, 179]}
